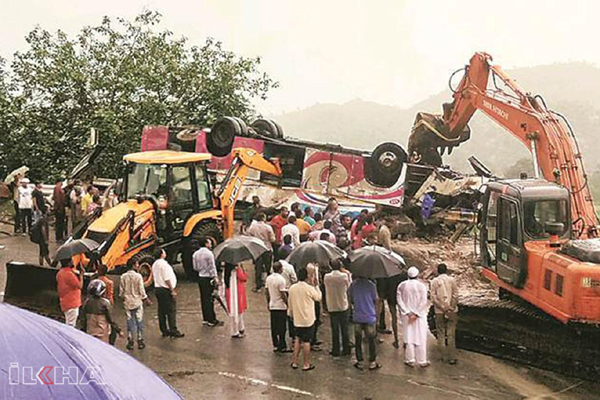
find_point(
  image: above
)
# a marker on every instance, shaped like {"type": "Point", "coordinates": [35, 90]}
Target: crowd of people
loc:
{"type": "Point", "coordinates": [297, 298]}
{"type": "Point", "coordinates": [70, 204]}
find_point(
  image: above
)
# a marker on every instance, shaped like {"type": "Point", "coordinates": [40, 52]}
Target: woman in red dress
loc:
{"type": "Point", "coordinates": [235, 291]}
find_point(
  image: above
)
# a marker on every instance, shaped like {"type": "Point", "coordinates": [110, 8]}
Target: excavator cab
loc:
{"type": "Point", "coordinates": [517, 212]}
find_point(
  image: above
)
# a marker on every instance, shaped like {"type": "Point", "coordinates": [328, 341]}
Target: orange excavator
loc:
{"type": "Point", "coordinates": [537, 236]}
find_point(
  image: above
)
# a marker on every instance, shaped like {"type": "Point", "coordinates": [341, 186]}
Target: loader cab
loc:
{"type": "Point", "coordinates": [176, 183]}
{"type": "Point", "coordinates": [515, 212]}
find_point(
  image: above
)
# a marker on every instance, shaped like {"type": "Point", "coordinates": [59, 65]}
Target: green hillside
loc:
{"type": "Point", "coordinates": [364, 124]}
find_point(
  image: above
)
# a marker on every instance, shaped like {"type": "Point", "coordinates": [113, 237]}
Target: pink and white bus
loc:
{"type": "Point", "coordinates": [313, 172]}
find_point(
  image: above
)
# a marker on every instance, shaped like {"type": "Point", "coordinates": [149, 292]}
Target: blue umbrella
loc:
{"type": "Point", "coordinates": [42, 358]}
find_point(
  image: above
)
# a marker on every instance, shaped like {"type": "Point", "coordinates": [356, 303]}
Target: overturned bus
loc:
{"type": "Point", "coordinates": [313, 171]}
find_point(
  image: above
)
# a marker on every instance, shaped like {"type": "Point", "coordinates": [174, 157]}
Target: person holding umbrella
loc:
{"type": "Point", "coordinates": [263, 231]}
{"type": "Point", "coordinates": [69, 284]}
{"type": "Point", "coordinates": [363, 295]}
{"type": "Point", "coordinates": [373, 262]}
{"type": "Point", "coordinates": [235, 291]}
{"type": "Point", "coordinates": [232, 253]}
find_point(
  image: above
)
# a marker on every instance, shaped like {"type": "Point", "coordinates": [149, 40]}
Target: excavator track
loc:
{"type": "Point", "coordinates": [516, 331]}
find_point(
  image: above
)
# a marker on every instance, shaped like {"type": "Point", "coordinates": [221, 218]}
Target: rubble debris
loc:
{"type": "Point", "coordinates": [462, 262]}
{"type": "Point", "coordinates": [445, 200]}
{"type": "Point", "coordinates": [479, 168]}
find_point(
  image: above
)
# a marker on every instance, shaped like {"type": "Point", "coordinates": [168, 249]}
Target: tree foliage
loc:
{"type": "Point", "coordinates": [115, 77]}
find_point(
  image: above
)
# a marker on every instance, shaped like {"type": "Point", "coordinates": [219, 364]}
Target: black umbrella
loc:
{"type": "Point", "coordinates": [319, 251]}
{"type": "Point", "coordinates": [239, 248]}
{"type": "Point", "coordinates": [375, 262]}
{"type": "Point", "coordinates": [78, 246]}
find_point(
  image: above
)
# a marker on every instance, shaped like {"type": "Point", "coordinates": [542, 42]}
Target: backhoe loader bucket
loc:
{"type": "Point", "coordinates": [32, 287]}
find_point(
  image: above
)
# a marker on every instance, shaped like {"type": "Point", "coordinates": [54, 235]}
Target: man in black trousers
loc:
{"type": "Point", "coordinates": [204, 264]}
{"type": "Point", "coordinates": [165, 283]}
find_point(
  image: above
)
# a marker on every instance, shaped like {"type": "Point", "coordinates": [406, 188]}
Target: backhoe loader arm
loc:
{"type": "Point", "coordinates": [546, 133]}
{"type": "Point", "coordinates": [243, 161]}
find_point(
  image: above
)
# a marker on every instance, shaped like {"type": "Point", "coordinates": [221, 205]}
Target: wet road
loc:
{"type": "Point", "coordinates": [208, 363]}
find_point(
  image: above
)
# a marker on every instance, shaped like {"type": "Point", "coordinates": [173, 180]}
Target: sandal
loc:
{"type": "Point", "coordinates": [374, 366]}
{"type": "Point", "coordinates": [358, 365]}
{"type": "Point", "coordinates": [294, 366]}
{"type": "Point", "coordinates": [310, 367]}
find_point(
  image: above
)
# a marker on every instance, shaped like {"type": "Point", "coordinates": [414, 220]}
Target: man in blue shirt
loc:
{"type": "Point", "coordinates": [363, 295]}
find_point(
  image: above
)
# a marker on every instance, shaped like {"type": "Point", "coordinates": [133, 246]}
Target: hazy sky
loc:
{"type": "Point", "coordinates": [393, 52]}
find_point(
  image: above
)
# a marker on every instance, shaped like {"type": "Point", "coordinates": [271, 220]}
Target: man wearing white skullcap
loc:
{"type": "Point", "coordinates": [412, 300]}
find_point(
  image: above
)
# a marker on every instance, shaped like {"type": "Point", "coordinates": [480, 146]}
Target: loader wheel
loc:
{"type": "Point", "coordinates": [268, 127]}
{"type": "Point", "coordinates": [192, 243]}
{"type": "Point", "coordinates": [385, 165]}
{"type": "Point", "coordinates": [145, 261]}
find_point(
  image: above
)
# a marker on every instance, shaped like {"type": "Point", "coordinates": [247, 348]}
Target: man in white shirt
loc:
{"type": "Point", "coordinates": [289, 273]}
{"type": "Point", "coordinates": [301, 307]}
{"type": "Point", "coordinates": [25, 202]}
{"type": "Point", "coordinates": [277, 299]}
{"type": "Point", "coordinates": [316, 235]}
{"type": "Point", "coordinates": [337, 284]}
{"type": "Point", "coordinates": [165, 283]}
{"type": "Point", "coordinates": [291, 229]}
{"type": "Point", "coordinates": [260, 229]}
{"type": "Point", "coordinates": [203, 261]}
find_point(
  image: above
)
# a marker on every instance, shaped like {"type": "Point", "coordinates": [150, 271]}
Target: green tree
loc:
{"type": "Point", "coordinates": [117, 77]}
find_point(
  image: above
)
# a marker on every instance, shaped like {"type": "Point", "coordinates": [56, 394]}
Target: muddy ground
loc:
{"type": "Point", "coordinates": [207, 363]}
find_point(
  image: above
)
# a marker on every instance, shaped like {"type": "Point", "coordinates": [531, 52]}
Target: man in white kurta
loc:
{"type": "Point", "coordinates": [412, 301]}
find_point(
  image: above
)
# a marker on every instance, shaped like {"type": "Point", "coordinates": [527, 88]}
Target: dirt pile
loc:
{"type": "Point", "coordinates": [460, 258]}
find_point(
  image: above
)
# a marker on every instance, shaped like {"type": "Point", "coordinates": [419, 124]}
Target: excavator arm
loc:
{"type": "Point", "coordinates": [242, 162]}
{"type": "Point", "coordinates": [545, 133]}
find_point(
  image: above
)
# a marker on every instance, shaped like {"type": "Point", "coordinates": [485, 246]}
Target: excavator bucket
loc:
{"type": "Point", "coordinates": [430, 137]}
{"type": "Point", "coordinates": [32, 287]}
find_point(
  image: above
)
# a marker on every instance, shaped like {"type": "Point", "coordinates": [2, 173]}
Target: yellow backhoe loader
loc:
{"type": "Point", "coordinates": [167, 202]}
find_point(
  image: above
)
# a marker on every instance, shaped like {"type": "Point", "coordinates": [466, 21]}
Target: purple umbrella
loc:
{"type": "Point", "coordinates": [42, 358]}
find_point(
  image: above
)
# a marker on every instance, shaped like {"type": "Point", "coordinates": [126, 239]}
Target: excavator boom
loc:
{"type": "Point", "coordinates": [547, 134]}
